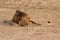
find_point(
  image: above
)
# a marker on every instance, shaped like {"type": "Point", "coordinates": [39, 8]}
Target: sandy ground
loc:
{"type": "Point", "coordinates": [47, 31]}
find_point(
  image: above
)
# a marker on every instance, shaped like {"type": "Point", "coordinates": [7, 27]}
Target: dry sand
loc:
{"type": "Point", "coordinates": [40, 13]}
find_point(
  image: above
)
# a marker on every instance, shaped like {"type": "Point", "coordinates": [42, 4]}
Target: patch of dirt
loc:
{"type": "Point", "coordinates": [45, 12]}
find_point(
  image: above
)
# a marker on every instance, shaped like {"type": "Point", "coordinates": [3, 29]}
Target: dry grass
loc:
{"type": "Point", "coordinates": [40, 11]}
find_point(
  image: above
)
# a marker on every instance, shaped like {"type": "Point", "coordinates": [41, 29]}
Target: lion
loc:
{"type": "Point", "coordinates": [22, 19]}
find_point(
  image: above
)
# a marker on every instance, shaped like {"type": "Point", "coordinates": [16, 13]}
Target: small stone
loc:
{"type": "Point", "coordinates": [49, 22]}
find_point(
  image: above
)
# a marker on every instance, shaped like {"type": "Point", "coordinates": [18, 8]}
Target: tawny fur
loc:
{"type": "Point", "coordinates": [22, 19]}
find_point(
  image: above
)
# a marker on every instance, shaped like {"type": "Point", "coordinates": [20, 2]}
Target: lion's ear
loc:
{"type": "Point", "coordinates": [17, 11]}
